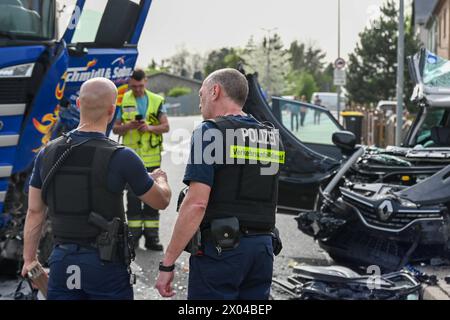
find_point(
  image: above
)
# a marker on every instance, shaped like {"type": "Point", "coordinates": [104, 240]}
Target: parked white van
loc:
{"type": "Point", "coordinates": [329, 100]}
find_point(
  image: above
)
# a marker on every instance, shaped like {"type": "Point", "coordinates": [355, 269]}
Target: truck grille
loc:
{"type": "Point", "coordinates": [14, 90]}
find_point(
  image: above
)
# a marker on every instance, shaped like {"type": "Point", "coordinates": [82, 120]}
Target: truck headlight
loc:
{"type": "Point", "coordinates": [18, 71]}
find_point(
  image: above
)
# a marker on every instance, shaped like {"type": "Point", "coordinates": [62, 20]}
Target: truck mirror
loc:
{"type": "Point", "coordinates": [77, 50]}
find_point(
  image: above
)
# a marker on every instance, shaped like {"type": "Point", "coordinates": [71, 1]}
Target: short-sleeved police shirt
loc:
{"type": "Point", "coordinates": [125, 167]}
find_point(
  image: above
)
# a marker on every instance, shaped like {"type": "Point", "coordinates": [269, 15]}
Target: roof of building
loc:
{"type": "Point", "coordinates": [423, 9]}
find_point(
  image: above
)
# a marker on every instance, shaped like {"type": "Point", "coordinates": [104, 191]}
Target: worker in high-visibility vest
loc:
{"type": "Point", "coordinates": [141, 121]}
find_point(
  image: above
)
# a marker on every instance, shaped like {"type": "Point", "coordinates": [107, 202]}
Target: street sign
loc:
{"type": "Point", "coordinates": [340, 77]}
{"type": "Point", "coordinates": [339, 63]}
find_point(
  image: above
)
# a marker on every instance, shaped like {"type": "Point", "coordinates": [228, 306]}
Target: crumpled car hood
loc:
{"type": "Point", "coordinates": [435, 189]}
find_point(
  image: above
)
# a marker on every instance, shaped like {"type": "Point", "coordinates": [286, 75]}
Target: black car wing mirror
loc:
{"type": "Point", "coordinates": [344, 140]}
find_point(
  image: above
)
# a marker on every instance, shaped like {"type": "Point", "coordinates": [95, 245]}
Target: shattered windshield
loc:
{"type": "Point", "coordinates": [27, 19]}
{"type": "Point", "coordinates": [436, 71]}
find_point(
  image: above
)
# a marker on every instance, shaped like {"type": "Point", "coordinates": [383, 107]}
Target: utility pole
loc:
{"type": "Point", "coordinates": [339, 56]}
{"type": "Point", "coordinates": [400, 73]}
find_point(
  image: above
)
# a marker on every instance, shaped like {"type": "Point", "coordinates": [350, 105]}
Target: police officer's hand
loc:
{"type": "Point", "coordinates": [24, 272]}
{"type": "Point", "coordinates": [158, 174]}
{"type": "Point", "coordinates": [164, 284]}
{"type": "Point", "coordinates": [26, 264]}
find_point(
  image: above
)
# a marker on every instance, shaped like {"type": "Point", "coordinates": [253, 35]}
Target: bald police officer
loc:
{"type": "Point", "coordinates": [80, 179]}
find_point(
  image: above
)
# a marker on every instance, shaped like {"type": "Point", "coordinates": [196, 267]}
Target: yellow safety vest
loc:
{"type": "Point", "coordinates": [147, 145]}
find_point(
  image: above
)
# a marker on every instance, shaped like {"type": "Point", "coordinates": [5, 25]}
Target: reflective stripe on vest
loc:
{"type": "Point", "coordinates": [147, 145]}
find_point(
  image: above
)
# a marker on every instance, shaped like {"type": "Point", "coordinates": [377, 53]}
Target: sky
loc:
{"type": "Point", "coordinates": [204, 25]}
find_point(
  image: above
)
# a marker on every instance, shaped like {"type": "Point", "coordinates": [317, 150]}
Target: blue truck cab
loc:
{"type": "Point", "coordinates": [48, 48]}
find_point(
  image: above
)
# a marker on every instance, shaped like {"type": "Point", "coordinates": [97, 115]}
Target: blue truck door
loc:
{"type": "Point", "coordinates": [31, 64]}
{"type": "Point", "coordinates": [102, 37]}
{"type": "Point", "coordinates": [37, 123]}
{"type": "Point", "coordinates": [104, 44]}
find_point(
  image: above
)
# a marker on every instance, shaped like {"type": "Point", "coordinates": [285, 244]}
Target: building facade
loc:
{"type": "Point", "coordinates": [432, 25]}
{"type": "Point", "coordinates": [185, 105]}
{"type": "Point", "coordinates": [163, 82]}
{"type": "Point", "coordinates": [424, 22]}
{"type": "Point", "coordinates": [441, 28]}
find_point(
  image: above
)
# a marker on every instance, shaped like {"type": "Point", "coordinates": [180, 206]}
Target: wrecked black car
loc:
{"type": "Point", "coordinates": [365, 205]}
{"type": "Point", "coordinates": [381, 224]}
{"type": "Point", "coordinates": [312, 157]}
{"type": "Point", "coordinates": [388, 223]}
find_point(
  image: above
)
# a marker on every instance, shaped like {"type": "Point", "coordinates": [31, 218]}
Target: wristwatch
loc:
{"type": "Point", "coordinates": [164, 268]}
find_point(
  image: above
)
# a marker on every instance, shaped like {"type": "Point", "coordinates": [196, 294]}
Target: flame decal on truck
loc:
{"type": "Point", "coordinates": [59, 92]}
{"type": "Point", "coordinates": [48, 121]}
{"type": "Point", "coordinates": [121, 91]}
{"type": "Point", "coordinates": [45, 126]}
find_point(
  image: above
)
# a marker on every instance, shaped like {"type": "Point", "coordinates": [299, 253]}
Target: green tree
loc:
{"type": "Point", "coordinates": [372, 68]}
{"type": "Point", "coordinates": [314, 61]}
{"type": "Point", "coordinates": [297, 51]}
{"type": "Point", "coordinates": [301, 83]}
{"type": "Point", "coordinates": [178, 91]}
{"type": "Point", "coordinates": [325, 81]}
{"type": "Point", "coordinates": [178, 62]}
{"type": "Point", "coordinates": [186, 64]}
{"type": "Point", "coordinates": [270, 60]}
{"type": "Point", "coordinates": [195, 65]}
{"type": "Point", "coordinates": [222, 58]}
{"type": "Point", "coordinates": [311, 60]}
{"type": "Point", "coordinates": [154, 68]}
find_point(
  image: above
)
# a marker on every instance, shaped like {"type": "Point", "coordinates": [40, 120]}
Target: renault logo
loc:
{"type": "Point", "coordinates": [385, 210]}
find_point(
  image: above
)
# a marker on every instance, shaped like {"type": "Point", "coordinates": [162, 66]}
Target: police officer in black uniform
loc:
{"type": "Point", "coordinates": [227, 218]}
{"type": "Point", "coordinates": [80, 178]}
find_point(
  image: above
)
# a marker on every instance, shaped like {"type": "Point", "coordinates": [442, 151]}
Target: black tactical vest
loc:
{"type": "Point", "coordinates": [78, 187]}
{"type": "Point", "coordinates": [240, 189]}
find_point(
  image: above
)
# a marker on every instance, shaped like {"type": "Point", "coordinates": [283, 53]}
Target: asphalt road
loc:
{"type": "Point", "coordinates": [297, 248]}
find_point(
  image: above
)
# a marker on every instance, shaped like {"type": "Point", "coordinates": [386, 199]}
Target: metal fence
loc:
{"type": "Point", "coordinates": [378, 128]}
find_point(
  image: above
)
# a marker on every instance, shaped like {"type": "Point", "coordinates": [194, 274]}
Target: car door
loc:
{"type": "Point", "coordinates": [311, 157]}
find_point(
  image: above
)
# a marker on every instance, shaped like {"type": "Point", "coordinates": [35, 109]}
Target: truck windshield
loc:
{"type": "Point", "coordinates": [27, 19]}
